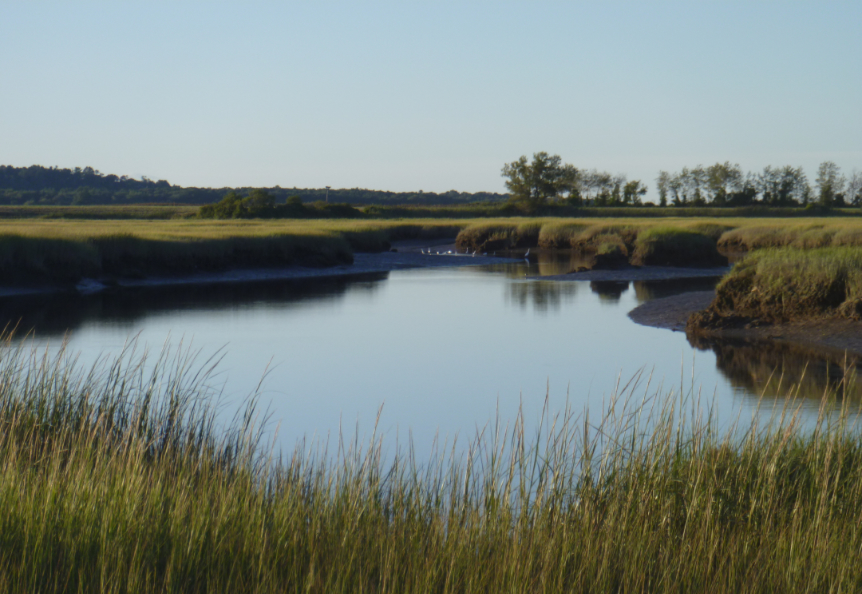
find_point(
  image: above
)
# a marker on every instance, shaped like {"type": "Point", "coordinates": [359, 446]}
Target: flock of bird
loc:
{"type": "Point", "coordinates": [466, 253]}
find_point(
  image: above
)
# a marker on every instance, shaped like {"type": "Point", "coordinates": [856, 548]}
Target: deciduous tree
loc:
{"type": "Point", "coordinates": [532, 185]}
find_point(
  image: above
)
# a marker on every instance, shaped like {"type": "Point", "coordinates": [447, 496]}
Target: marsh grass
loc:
{"type": "Point", "coordinates": [673, 246]}
{"type": "Point", "coordinates": [781, 284]}
{"type": "Point", "coordinates": [101, 212]}
{"type": "Point", "coordinates": [559, 234]}
{"type": "Point", "coordinates": [610, 245]}
{"type": "Point", "coordinates": [499, 235]}
{"type": "Point", "coordinates": [120, 479]}
{"type": "Point", "coordinates": [806, 235]}
{"type": "Point", "coordinates": [63, 251]}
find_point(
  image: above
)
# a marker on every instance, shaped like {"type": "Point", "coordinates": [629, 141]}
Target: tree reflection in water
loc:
{"type": "Point", "coordinates": [648, 290]}
{"type": "Point", "coordinates": [543, 296]}
{"type": "Point", "coordinates": [609, 290]}
{"type": "Point", "coordinates": [771, 368]}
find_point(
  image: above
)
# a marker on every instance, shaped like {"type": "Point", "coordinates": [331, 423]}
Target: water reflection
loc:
{"type": "Point", "coordinates": [609, 290]}
{"type": "Point", "coordinates": [648, 290]}
{"type": "Point", "coordinates": [542, 295]}
{"type": "Point", "coordinates": [54, 315]}
{"type": "Point", "coordinates": [541, 263]}
{"type": "Point", "coordinates": [776, 369]}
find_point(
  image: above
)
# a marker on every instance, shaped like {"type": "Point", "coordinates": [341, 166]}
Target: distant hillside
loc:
{"type": "Point", "coordinates": [53, 186]}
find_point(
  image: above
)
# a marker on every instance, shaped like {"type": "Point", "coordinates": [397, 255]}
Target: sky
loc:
{"type": "Point", "coordinates": [431, 96]}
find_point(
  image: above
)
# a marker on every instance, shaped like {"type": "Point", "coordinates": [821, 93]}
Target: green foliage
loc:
{"type": "Point", "coordinates": [53, 186]}
{"type": "Point", "coordinates": [259, 204]}
{"type": "Point", "coordinates": [532, 185]}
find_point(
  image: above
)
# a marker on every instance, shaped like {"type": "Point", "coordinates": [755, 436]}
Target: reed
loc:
{"type": "Point", "coordinates": [119, 478]}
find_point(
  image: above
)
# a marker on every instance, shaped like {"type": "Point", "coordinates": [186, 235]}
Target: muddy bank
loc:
{"type": "Point", "coordinates": [673, 313]}
{"type": "Point", "coordinates": [642, 273]}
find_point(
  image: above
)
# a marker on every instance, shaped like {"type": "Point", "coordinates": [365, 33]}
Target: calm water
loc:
{"type": "Point", "coordinates": [442, 351]}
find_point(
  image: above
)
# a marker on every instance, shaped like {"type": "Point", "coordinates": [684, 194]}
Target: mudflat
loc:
{"type": "Point", "coordinates": [827, 333]}
{"type": "Point", "coordinates": [641, 273]}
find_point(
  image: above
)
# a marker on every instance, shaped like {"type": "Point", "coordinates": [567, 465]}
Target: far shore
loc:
{"type": "Point", "coordinates": [407, 256]}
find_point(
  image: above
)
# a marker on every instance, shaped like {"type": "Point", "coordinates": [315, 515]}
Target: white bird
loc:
{"type": "Point", "coordinates": [527, 256]}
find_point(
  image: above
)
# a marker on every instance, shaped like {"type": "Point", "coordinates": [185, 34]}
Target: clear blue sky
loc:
{"type": "Point", "coordinates": [426, 95]}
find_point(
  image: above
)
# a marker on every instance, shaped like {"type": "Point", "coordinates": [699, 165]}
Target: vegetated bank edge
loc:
{"type": "Point", "coordinates": [61, 251]}
{"type": "Point", "coordinates": [807, 297]}
{"type": "Point", "coordinates": [121, 478]}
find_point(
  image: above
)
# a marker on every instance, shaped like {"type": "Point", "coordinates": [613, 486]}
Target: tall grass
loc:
{"type": "Point", "coordinates": [120, 479]}
{"type": "Point", "coordinates": [62, 251]}
{"type": "Point", "coordinates": [672, 246]}
{"type": "Point", "coordinates": [781, 284]}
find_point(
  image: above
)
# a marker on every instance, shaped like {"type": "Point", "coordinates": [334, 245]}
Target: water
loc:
{"type": "Point", "coordinates": [436, 353]}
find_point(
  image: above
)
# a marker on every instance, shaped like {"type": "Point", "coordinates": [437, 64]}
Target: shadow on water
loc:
{"type": "Point", "coordinates": [770, 368]}
{"type": "Point", "coordinates": [54, 315]}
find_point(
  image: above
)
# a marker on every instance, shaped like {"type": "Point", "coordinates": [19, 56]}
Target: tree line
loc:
{"type": "Point", "coordinates": [82, 186]}
{"type": "Point", "coordinates": [546, 179]}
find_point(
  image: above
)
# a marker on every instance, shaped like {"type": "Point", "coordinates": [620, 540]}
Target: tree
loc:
{"type": "Point", "coordinates": [633, 191]}
{"type": "Point", "coordinates": [533, 184]}
{"type": "Point", "coordinates": [854, 189]}
{"type": "Point", "coordinates": [830, 184]}
{"type": "Point", "coordinates": [663, 184]}
{"type": "Point", "coordinates": [722, 179]}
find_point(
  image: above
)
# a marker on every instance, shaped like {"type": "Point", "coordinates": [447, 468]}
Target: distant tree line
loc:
{"type": "Point", "coordinates": [547, 180]}
{"type": "Point", "coordinates": [54, 186]}
{"type": "Point", "coordinates": [725, 184]}
{"type": "Point", "coordinates": [260, 204]}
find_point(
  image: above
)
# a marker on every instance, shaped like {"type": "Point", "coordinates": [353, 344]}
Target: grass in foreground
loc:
{"type": "Point", "coordinates": [120, 480]}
